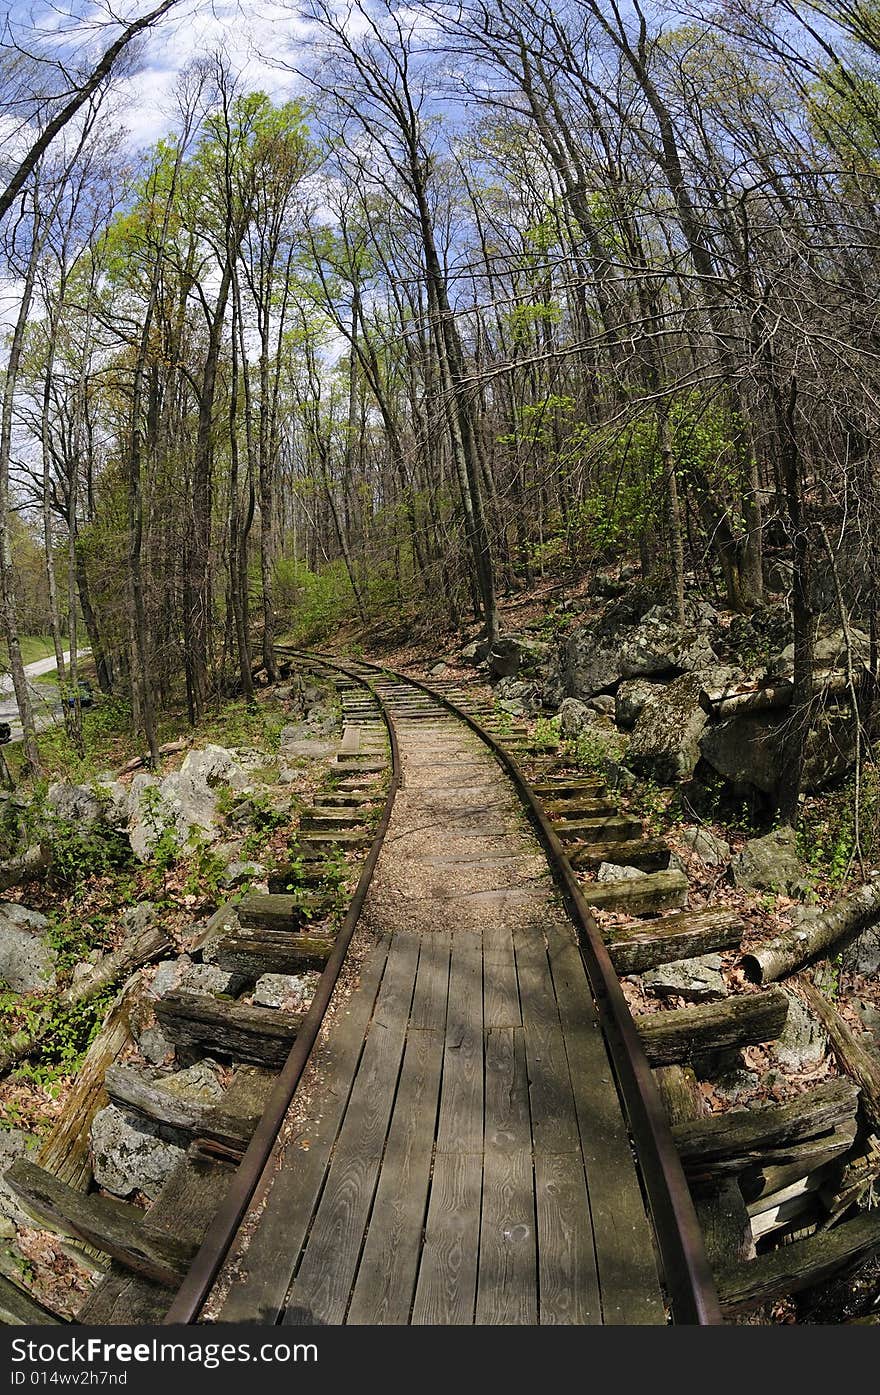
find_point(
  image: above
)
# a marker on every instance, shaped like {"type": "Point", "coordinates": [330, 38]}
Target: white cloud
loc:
{"type": "Point", "coordinates": [252, 37]}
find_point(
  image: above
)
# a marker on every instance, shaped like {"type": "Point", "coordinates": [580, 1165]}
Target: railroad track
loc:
{"type": "Point", "coordinates": [503, 1142]}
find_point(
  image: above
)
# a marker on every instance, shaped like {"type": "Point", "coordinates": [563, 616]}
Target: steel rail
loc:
{"type": "Point", "coordinates": [214, 1249]}
{"type": "Point", "coordinates": [690, 1286]}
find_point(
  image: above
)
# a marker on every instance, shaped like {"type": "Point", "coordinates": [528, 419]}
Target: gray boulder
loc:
{"type": "Point", "coordinates": [802, 1041]}
{"type": "Point", "coordinates": [198, 1082]}
{"type": "Point", "coordinates": [747, 750]}
{"type": "Point", "coordinates": [182, 975]}
{"type": "Point", "coordinates": [513, 654]}
{"type": "Point", "coordinates": [660, 644]}
{"type": "Point", "coordinates": [829, 651]}
{"type": "Point", "coordinates": [574, 716]}
{"type": "Point", "coordinates": [27, 960]}
{"type": "Point", "coordinates": [14, 1144]}
{"type": "Point", "coordinates": [631, 699]}
{"type": "Point", "coordinates": [697, 980]}
{"type": "Point", "coordinates": [612, 872]}
{"type": "Point", "coordinates": [130, 1153]}
{"type": "Point", "coordinates": [301, 741]}
{"type": "Point", "coordinates": [75, 804]}
{"type": "Point", "coordinates": [242, 871]}
{"type": "Point", "coordinates": [603, 703]}
{"type": "Point", "coordinates": [704, 845]}
{"type": "Point", "coordinates": [153, 1044]}
{"type": "Point", "coordinates": [588, 664]}
{"type": "Point", "coordinates": [525, 692]}
{"type": "Point", "coordinates": [185, 799]}
{"type": "Point", "coordinates": [770, 863]}
{"type": "Point", "coordinates": [293, 992]}
{"type": "Point", "coordinates": [862, 955]}
{"type": "Point", "coordinates": [665, 744]}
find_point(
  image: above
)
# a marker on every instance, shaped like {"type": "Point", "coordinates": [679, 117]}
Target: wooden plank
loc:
{"type": "Point", "coordinates": [278, 911]}
{"type": "Point", "coordinates": [507, 1279]}
{"type": "Point", "coordinates": [639, 947]}
{"type": "Point", "coordinates": [681, 1094]}
{"type": "Point", "coordinates": [137, 1090]}
{"type": "Point", "coordinates": [386, 1277]}
{"type": "Point", "coordinates": [112, 1226]}
{"type": "Point", "coordinates": [569, 1280]}
{"type": "Point", "coordinates": [732, 1141]}
{"type": "Point", "coordinates": [447, 1281]}
{"type": "Point", "coordinates": [725, 1224]}
{"type": "Point", "coordinates": [554, 1122]}
{"type": "Point", "coordinates": [460, 1127]}
{"type": "Point", "coordinates": [66, 1150]}
{"type": "Point", "coordinates": [20, 1309]}
{"type": "Point", "coordinates": [629, 1286]}
{"type": "Point", "coordinates": [656, 891]}
{"type": "Point", "coordinates": [649, 854]}
{"type": "Point", "coordinates": [123, 1300]}
{"type": "Point", "coordinates": [500, 987]}
{"type": "Point", "coordinates": [798, 1265]}
{"type": "Point", "coordinates": [276, 1245]}
{"type": "Point", "coordinates": [321, 1289]}
{"type": "Point", "coordinates": [432, 984]}
{"type": "Point", "coordinates": [601, 830]}
{"type": "Point", "coordinates": [251, 953]}
{"type": "Point", "coordinates": [674, 1036]}
{"type": "Point", "coordinates": [260, 1036]}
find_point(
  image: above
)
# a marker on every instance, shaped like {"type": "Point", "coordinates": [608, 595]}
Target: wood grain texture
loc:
{"type": "Point", "coordinates": [386, 1277]}
{"type": "Point", "coordinates": [506, 1286]}
{"type": "Point", "coordinates": [500, 987]}
{"type": "Point", "coordinates": [322, 1287]}
{"type": "Point", "coordinates": [554, 1123]}
{"type": "Point", "coordinates": [275, 1247]}
{"type": "Point", "coordinates": [460, 1127]}
{"type": "Point", "coordinates": [446, 1287]}
{"type": "Point", "coordinates": [568, 1274]}
{"type": "Point", "coordinates": [629, 1286]}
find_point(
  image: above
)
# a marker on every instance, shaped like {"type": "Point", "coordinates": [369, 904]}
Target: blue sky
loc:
{"type": "Point", "coordinates": [251, 33]}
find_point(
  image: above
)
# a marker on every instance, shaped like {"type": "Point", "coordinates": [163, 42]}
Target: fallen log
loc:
{"type": "Point", "coordinates": [137, 950]}
{"type": "Point", "coordinates": [170, 748]}
{"type": "Point", "coordinates": [637, 947]}
{"type": "Point", "coordinates": [115, 1227]}
{"type": "Point", "coordinates": [790, 951]}
{"type": "Point", "coordinates": [65, 1150]}
{"type": "Point", "coordinates": [729, 702]}
{"type": "Point", "coordinates": [677, 1035]}
{"type": "Point", "coordinates": [737, 1139]}
{"type": "Point", "coordinates": [856, 1060]}
{"type": "Point", "coordinates": [27, 868]}
{"type": "Point", "coordinates": [798, 1265]}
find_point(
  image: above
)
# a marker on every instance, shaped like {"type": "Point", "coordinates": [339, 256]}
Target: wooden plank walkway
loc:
{"type": "Point", "coordinates": [465, 1159]}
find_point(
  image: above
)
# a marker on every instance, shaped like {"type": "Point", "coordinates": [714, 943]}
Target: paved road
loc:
{"type": "Point", "coordinates": [44, 696]}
